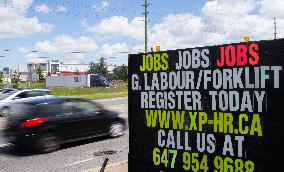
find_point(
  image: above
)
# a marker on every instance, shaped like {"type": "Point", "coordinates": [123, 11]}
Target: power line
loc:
{"type": "Point", "coordinates": [146, 24]}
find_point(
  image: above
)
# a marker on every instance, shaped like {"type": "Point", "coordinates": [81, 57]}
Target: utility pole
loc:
{"type": "Point", "coordinates": [275, 31]}
{"type": "Point", "coordinates": [146, 24]}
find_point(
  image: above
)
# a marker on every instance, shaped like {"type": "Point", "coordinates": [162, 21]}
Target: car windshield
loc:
{"type": "Point", "coordinates": [5, 95]}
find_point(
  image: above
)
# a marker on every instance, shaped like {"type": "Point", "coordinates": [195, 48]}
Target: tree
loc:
{"type": "Point", "coordinates": [1, 80]}
{"type": "Point", "coordinates": [120, 73]}
{"type": "Point", "coordinates": [40, 75]}
{"type": "Point", "coordinates": [124, 72]}
{"type": "Point", "coordinates": [99, 68]}
{"type": "Point", "coordinates": [15, 81]}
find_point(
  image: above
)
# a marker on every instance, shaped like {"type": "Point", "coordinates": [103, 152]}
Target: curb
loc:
{"type": "Point", "coordinates": [117, 167]}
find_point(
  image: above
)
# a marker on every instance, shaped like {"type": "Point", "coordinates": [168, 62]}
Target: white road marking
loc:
{"type": "Point", "coordinates": [79, 162]}
{"type": "Point", "coordinates": [5, 145]}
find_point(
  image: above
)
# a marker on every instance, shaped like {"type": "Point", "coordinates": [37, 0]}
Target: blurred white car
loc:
{"type": "Point", "coordinates": [19, 95]}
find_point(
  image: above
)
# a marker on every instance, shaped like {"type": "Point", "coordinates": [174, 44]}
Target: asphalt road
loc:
{"type": "Point", "coordinates": [77, 156]}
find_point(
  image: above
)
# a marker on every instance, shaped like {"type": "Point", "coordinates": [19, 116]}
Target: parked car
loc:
{"type": "Point", "coordinates": [99, 81]}
{"type": "Point", "coordinates": [19, 95]}
{"type": "Point", "coordinates": [44, 124]}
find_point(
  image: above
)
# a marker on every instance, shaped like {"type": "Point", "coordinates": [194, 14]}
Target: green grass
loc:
{"type": "Point", "coordinates": [92, 93]}
{"type": "Point", "coordinates": [89, 93]}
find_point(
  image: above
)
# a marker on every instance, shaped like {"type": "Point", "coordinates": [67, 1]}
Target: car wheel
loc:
{"type": "Point", "coordinates": [48, 143]}
{"type": "Point", "coordinates": [116, 130]}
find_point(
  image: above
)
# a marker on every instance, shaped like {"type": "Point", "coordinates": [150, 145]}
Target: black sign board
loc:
{"type": "Point", "coordinates": [217, 108]}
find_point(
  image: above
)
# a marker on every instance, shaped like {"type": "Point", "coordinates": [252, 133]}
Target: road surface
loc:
{"type": "Point", "coordinates": [78, 156]}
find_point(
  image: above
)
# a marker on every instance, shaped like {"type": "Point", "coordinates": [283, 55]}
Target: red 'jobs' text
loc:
{"type": "Point", "coordinates": [238, 55]}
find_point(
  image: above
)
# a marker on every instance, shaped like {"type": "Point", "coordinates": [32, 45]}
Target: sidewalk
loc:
{"type": "Point", "coordinates": [118, 167]}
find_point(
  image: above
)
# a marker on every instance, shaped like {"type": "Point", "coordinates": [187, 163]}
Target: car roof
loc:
{"type": "Point", "coordinates": [48, 99]}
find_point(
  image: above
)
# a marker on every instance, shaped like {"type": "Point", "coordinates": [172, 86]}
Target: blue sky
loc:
{"type": "Point", "coordinates": [102, 28]}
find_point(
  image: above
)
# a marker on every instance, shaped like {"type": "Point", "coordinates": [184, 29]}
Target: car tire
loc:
{"type": "Point", "coordinates": [116, 129]}
{"type": "Point", "coordinates": [48, 142]}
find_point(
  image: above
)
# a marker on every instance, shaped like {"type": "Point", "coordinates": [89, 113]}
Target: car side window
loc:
{"type": "Point", "coordinates": [51, 109]}
{"type": "Point", "coordinates": [68, 108]}
{"type": "Point", "coordinates": [87, 107]}
{"type": "Point", "coordinates": [36, 93]}
{"type": "Point", "coordinates": [22, 95]}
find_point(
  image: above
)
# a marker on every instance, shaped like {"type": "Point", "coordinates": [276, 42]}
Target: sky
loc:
{"type": "Point", "coordinates": [36, 30]}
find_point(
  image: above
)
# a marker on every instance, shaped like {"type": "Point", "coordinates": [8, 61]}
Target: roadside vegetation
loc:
{"type": "Point", "coordinates": [92, 93]}
{"type": "Point", "coordinates": [119, 89]}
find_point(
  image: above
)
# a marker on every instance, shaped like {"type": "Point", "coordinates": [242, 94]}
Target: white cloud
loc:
{"type": "Point", "coordinates": [43, 8]}
{"type": "Point", "coordinates": [102, 6]}
{"type": "Point", "coordinates": [117, 26]}
{"type": "Point", "coordinates": [15, 23]}
{"type": "Point", "coordinates": [46, 46]}
{"type": "Point", "coordinates": [75, 58]}
{"type": "Point", "coordinates": [23, 49]}
{"type": "Point", "coordinates": [272, 8]}
{"type": "Point", "coordinates": [113, 50]}
{"type": "Point", "coordinates": [228, 8]}
{"type": "Point", "coordinates": [182, 30]}
{"type": "Point", "coordinates": [221, 21]}
{"type": "Point", "coordinates": [65, 43]}
{"type": "Point", "coordinates": [59, 45]}
{"type": "Point", "coordinates": [34, 58]}
{"type": "Point", "coordinates": [61, 9]}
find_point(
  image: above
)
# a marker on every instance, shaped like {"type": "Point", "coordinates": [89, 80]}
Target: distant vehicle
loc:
{"type": "Point", "coordinates": [19, 95]}
{"type": "Point", "coordinates": [99, 81]}
{"type": "Point", "coordinates": [44, 124]}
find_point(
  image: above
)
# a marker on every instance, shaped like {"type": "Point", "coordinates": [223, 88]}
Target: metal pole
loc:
{"type": "Point", "coordinates": [146, 25]}
{"type": "Point", "coordinates": [275, 33]}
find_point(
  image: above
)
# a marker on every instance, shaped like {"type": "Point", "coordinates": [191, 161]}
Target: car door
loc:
{"type": "Point", "coordinates": [96, 121]}
{"type": "Point", "coordinates": [72, 121]}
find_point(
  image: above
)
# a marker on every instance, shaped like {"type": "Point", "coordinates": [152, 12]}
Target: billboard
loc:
{"type": "Point", "coordinates": [216, 108]}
